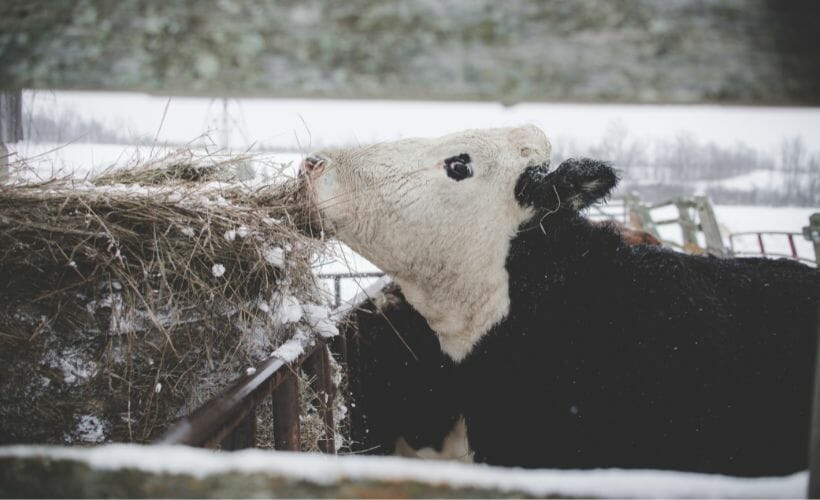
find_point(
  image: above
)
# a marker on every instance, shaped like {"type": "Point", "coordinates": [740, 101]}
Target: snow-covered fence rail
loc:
{"type": "Point", "coordinates": [229, 419]}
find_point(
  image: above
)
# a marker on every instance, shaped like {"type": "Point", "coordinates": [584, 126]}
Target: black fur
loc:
{"type": "Point", "coordinates": [396, 393]}
{"type": "Point", "coordinates": [611, 356]}
{"type": "Point", "coordinates": [640, 357]}
{"type": "Point", "coordinates": [574, 185]}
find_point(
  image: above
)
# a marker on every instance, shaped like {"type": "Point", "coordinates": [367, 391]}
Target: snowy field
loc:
{"type": "Point", "coordinates": [327, 469]}
{"type": "Point", "coordinates": [304, 125]}
{"type": "Point", "coordinates": [286, 129]}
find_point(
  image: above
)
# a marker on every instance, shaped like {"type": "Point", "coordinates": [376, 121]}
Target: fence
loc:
{"type": "Point", "coordinates": [761, 245]}
{"type": "Point", "coordinates": [337, 279]}
{"type": "Point", "coordinates": [689, 210]}
{"type": "Point", "coordinates": [229, 419]}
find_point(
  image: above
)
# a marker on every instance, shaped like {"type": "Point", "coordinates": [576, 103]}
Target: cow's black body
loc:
{"type": "Point", "coordinates": [401, 384]}
{"type": "Point", "coordinates": [639, 357]}
{"type": "Point", "coordinates": [611, 356]}
{"type": "Point", "coordinates": [614, 355]}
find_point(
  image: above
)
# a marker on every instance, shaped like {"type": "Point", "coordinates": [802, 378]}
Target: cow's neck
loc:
{"type": "Point", "coordinates": [461, 318]}
{"type": "Point", "coordinates": [461, 295]}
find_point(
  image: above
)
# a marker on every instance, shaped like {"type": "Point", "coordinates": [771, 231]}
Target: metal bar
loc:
{"type": "Point", "coordinates": [760, 244]}
{"type": "Point", "coordinates": [340, 348]}
{"type": "Point", "coordinates": [318, 366]}
{"type": "Point", "coordinates": [209, 424]}
{"type": "Point", "coordinates": [337, 291]}
{"type": "Point", "coordinates": [337, 282]}
{"type": "Point", "coordinates": [749, 233]}
{"type": "Point", "coordinates": [791, 245]}
{"type": "Point", "coordinates": [243, 435]}
{"type": "Point", "coordinates": [286, 432]}
{"type": "Point", "coordinates": [374, 274]}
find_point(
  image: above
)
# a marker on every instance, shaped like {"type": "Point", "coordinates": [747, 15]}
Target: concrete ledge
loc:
{"type": "Point", "coordinates": [155, 471]}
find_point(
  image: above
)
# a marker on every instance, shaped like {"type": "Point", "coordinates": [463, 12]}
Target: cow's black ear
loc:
{"type": "Point", "coordinates": [574, 185]}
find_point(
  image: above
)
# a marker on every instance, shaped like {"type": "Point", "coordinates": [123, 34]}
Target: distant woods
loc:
{"type": "Point", "coordinates": [67, 126]}
{"type": "Point", "coordinates": [656, 169]}
{"type": "Point", "coordinates": [730, 174]}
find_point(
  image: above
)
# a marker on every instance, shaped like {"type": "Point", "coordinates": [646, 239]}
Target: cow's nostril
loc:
{"type": "Point", "coordinates": [312, 165]}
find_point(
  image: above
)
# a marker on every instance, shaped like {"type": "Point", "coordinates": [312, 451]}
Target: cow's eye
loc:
{"type": "Point", "coordinates": [459, 167]}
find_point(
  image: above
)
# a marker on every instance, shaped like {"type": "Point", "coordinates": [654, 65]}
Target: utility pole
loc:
{"type": "Point", "coordinates": [11, 125]}
{"type": "Point", "coordinates": [225, 135]}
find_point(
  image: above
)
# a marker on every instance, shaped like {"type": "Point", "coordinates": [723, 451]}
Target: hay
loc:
{"type": "Point", "coordinates": [127, 301]}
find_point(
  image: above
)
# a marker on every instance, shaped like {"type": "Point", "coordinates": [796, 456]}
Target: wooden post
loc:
{"type": "Point", "coordinates": [812, 233]}
{"type": "Point", "coordinates": [689, 230]}
{"type": "Point", "coordinates": [639, 216]}
{"type": "Point", "coordinates": [318, 366]}
{"type": "Point", "coordinates": [286, 432]}
{"type": "Point", "coordinates": [709, 226]}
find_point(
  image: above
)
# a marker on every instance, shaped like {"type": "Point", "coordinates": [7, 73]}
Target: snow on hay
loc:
{"type": "Point", "coordinates": [125, 282]}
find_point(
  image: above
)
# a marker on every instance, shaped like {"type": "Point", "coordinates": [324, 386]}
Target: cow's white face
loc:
{"type": "Point", "coordinates": [438, 216]}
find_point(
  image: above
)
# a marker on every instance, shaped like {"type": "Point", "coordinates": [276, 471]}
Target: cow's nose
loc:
{"type": "Point", "coordinates": [312, 166]}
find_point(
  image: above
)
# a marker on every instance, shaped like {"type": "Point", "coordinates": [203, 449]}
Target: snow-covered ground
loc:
{"type": "Point", "coordinates": [327, 469]}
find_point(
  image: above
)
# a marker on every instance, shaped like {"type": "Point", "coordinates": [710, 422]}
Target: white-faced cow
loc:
{"type": "Point", "coordinates": [571, 348]}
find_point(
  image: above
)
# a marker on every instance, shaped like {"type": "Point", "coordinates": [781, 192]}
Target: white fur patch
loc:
{"type": "Point", "coordinates": [445, 242]}
{"type": "Point", "coordinates": [455, 446]}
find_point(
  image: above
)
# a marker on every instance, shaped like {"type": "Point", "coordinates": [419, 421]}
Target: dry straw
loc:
{"type": "Point", "coordinates": [128, 300]}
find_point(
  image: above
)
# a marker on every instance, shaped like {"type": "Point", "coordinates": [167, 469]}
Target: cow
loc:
{"type": "Point", "coordinates": [572, 349]}
{"type": "Point", "coordinates": [395, 367]}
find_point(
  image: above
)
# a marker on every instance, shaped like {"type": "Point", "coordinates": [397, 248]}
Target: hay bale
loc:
{"type": "Point", "coordinates": [127, 301]}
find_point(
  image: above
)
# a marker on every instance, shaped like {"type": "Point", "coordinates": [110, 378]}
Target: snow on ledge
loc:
{"type": "Point", "coordinates": [327, 469]}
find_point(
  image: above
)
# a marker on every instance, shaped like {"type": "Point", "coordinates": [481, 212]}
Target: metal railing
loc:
{"type": "Point", "coordinates": [229, 419]}
{"type": "Point", "coordinates": [337, 282]}
{"type": "Point", "coordinates": [761, 245]}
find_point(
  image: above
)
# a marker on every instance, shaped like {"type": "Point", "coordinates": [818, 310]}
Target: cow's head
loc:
{"type": "Point", "coordinates": [438, 215]}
